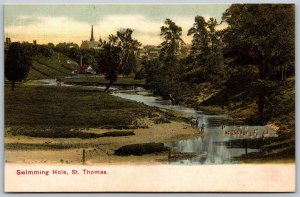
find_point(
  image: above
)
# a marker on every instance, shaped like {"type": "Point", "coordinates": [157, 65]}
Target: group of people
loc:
{"type": "Point", "coordinates": [236, 132]}
{"type": "Point", "coordinates": [195, 124]}
{"type": "Point", "coordinates": [245, 132]}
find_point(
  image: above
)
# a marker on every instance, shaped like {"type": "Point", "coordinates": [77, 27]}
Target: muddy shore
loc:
{"type": "Point", "coordinates": [98, 150]}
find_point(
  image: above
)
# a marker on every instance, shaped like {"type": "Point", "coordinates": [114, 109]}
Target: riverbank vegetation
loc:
{"type": "Point", "coordinates": [246, 69]}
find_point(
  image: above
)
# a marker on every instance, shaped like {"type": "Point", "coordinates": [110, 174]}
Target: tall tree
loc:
{"type": "Point", "coordinates": [200, 38]}
{"type": "Point", "coordinates": [206, 51]}
{"type": "Point", "coordinates": [129, 47]}
{"type": "Point", "coordinates": [109, 60]}
{"type": "Point", "coordinates": [169, 70]}
{"type": "Point", "coordinates": [172, 42]}
{"type": "Point", "coordinates": [262, 35]}
{"type": "Point", "coordinates": [17, 62]}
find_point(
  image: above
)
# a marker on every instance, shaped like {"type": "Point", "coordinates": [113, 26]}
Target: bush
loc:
{"type": "Point", "coordinates": [140, 149]}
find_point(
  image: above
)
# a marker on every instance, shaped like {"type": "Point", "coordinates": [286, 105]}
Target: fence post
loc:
{"type": "Point", "coordinates": [83, 156]}
{"type": "Point", "coordinates": [246, 147]}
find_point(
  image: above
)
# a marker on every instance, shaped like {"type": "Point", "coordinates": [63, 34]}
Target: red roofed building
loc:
{"type": "Point", "coordinates": [84, 69]}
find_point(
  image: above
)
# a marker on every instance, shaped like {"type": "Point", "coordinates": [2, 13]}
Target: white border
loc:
{"type": "Point", "coordinates": [140, 2]}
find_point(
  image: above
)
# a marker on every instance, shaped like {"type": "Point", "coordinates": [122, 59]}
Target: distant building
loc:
{"type": "Point", "coordinates": [34, 42]}
{"type": "Point", "coordinates": [67, 45]}
{"type": "Point", "coordinates": [150, 51]}
{"type": "Point", "coordinates": [84, 69]}
{"type": "Point", "coordinates": [90, 44]}
{"type": "Point", "coordinates": [7, 41]}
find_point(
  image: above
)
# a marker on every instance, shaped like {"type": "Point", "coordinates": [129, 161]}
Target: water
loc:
{"type": "Point", "coordinates": [206, 147]}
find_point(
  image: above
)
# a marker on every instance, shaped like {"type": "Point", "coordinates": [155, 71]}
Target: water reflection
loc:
{"type": "Point", "coordinates": [209, 151]}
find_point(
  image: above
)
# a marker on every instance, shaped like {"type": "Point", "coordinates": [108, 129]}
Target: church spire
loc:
{"type": "Point", "coordinates": [92, 35]}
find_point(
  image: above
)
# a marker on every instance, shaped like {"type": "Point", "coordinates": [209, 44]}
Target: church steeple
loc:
{"type": "Point", "coordinates": [92, 35]}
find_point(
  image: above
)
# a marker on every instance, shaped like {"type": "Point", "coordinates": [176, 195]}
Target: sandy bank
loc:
{"type": "Point", "coordinates": [99, 150]}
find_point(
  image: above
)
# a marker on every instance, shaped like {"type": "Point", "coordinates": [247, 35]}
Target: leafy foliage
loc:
{"type": "Point", "coordinates": [261, 34]}
{"type": "Point", "coordinates": [89, 59]}
{"type": "Point", "coordinates": [172, 42]}
{"type": "Point", "coordinates": [17, 62]}
{"type": "Point", "coordinates": [129, 47]}
{"type": "Point", "coordinates": [109, 60]}
{"type": "Point", "coordinates": [206, 52]}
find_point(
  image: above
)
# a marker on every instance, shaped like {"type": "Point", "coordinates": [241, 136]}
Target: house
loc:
{"type": "Point", "coordinates": [84, 69]}
{"type": "Point", "coordinates": [150, 51]}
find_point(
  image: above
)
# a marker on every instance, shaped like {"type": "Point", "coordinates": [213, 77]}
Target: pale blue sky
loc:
{"type": "Point", "coordinates": [71, 23]}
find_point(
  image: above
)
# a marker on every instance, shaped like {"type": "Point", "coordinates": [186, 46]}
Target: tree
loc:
{"type": "Point", "coordinates": [200, 38]}
{"type": "Point", "coordinates": [117, 55]}
{"type": "Point", "coordinates": [153, 71]}
{"type": "Point", "coordinates": [45, 50]}
{"type": "Point", "coordinates": [262, 35]}
{"type": "Point", "coordinates": [129, 47]}
{"type": "Point", "coordinates": [89, 59]}
{"type": "Point", "coordinates": [17, 63]}
{"type": "Point", "coordinates": [129, 65]}
{"type": "Point", "coordinates": [172, 42]}
{"type": "Point", "coordinates": [169, 70]}
{"type": "Point", "coordinates": [109, 60]}
{"type": "Point", "coordinates": [206, 51]}
{"type": "Point", "coordinates": [73, 53]}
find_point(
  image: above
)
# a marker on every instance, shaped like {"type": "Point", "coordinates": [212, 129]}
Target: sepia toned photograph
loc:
{"type": "Point", "coordinates": [94, 92]}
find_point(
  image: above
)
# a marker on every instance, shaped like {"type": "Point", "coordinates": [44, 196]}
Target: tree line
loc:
{"type": "Point", "coordinates": [253, 54]}
{"type": "Point", "coordinates": [116, 56]}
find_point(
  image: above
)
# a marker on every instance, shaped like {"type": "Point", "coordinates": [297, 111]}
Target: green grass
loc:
{"type": "Point", "coordinates": [58, 146]}
{"type": "Point", "coordinates": [272, 149]}
{"type": "Point", "coordinates": [100, 80]}
{"type": "Point", "coordinates": [33, 109]}
{"type": "Point", "coordinates": [57, 66]}
{"type": "Point", "coordinates": [51, 67]}
{"type": "Point", "coordinates": [66, 133]}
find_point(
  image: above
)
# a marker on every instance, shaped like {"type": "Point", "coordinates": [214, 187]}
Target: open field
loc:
{"type": "Point", "coordinates": [45, 107]}
{"type": "Point", "coordinates": [45, 124]}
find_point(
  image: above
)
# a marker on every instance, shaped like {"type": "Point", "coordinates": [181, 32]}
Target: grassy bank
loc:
{"type": "Point", "coordinates": [38, 109]}
{"type": "Point", "coordinates": [242, 108]}
{"type": "Point", "coordinates": [100, 80]}
{"type": "Point", "coordinates": [55, 66]}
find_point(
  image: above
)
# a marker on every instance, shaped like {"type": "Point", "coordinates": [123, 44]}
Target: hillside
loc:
{"type": "Point", "coordinates": [279, 108]}
{"type": "Point", "coordinates": [56, 66]}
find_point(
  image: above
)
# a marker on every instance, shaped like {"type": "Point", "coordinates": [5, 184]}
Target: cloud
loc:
{"type": "Point", "coordinates": [57, 29]}
{"type": "Point", "coordinates": [145, 30]}
{"type": "Point", "coordinates": [24, 17]}
{"type": "Point", "coordinates": [65, 29]}
{"type": "Point", "coordinates": [49, 29]}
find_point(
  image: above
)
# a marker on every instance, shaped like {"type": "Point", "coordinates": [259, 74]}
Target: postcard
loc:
{"type": "Point", "coordinates": [149, 98]}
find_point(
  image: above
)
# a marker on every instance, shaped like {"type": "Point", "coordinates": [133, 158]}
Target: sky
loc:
{"type": "Point", "coordinates": [72, 23]}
